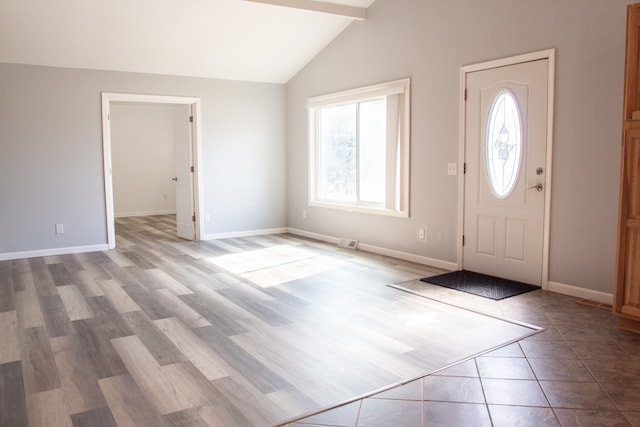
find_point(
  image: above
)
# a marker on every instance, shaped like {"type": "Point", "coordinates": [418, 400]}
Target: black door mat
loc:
{"type": "Point", "coordinates": [479, 284]}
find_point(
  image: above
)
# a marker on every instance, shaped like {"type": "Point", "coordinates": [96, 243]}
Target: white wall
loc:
{"type": "Point", "coordinates": [428, 41]}
{"type": "Point", "coordinates": [51, 162]}
{"type": "Point", "coordinates": [143, 158]}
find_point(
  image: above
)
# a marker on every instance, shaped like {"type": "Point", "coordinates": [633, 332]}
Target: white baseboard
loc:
{"type": "Point", "coordinates": [315, 236]}
{"type": "Point", "coordinates": [248, 233]}
{"type": "Point", "coordinates": [147, 213]}
{"type": "Point", "coordinates": [52, 252]}
{"type": "Point", "coordinates": [597, 296]}
{"type": "Point", "coordinates": [418, 259]}
{"type": "Point", "coordinates": [432, 262]}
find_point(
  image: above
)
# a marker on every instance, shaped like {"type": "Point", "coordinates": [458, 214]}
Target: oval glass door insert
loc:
{"type": "Point", "coordinates": [503, 144]}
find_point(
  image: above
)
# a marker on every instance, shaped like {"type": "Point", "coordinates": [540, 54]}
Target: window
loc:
{"type": "Point", "coordinates": [359, 149]}
{"type": "Point", "coordinates": [503, 144]}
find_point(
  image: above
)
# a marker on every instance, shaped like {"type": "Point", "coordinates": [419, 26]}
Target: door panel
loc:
{"type": "Point", "coordinates": [630, 303]}
{"type": "Point", "coordinates": [184, 175]}
{"type": "Point", "coordinates": [486, 235]}
{"type": "Point", "coordinates": [505, 157]}
{"type": "Point", "coordinates": [516, 239]}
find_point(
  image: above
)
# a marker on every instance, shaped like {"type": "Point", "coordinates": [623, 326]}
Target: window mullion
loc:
{"type": "Point", "coordinates": [315, 158]}
{"type": "Point", "coordinates": [358, 152]}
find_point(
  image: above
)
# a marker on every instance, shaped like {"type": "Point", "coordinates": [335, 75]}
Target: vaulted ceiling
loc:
{"type": "Point", "coordinates": [251, 40]}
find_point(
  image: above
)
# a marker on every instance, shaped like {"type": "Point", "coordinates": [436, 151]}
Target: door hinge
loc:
{"type": "Point", "coordinates": [193, 169]}
{"type": "Point", "coordinates": [193, 218]}
{"type": "Point", "coordinates": [464, 168]}
{"type": "Point", "coordinates": [463, 240]}
{"type": "Point", "coordinates": [190, 119]}
{"type": "Point", "coordinates": [465, 94]}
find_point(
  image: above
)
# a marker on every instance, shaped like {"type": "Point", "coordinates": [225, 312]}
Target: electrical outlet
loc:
{"type": "Point", "coordinates": [422, 233]}
{"type": "Point", "coordinates": [452, 169]}
{"type": "Point", "coordinates": [304, 214]}
{"type": "Point", "coordinates": [59, 229]}
{"type": "Point", "coordinates": [207, 217]}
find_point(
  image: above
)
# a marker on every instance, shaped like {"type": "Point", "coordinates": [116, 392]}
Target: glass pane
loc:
{"type": "Point", "coordinates": [503, 144]}
{"type": "Point", "coordinates": [373, 150]}
{"type": "Point", "coordinates": [337, 153]}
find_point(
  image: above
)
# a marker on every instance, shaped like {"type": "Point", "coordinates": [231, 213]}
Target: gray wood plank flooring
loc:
{"type": "Point", "coordinates": [235, 332]}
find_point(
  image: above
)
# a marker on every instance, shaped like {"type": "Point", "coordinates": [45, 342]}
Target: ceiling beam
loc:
{"type": "Point", "coordinates": [320, 6]}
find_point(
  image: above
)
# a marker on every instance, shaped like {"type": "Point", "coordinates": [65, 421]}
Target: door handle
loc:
{"type": "Point", "coordinates": [538, 187]}
{"type": "Point", "coordinates": [174, 179]}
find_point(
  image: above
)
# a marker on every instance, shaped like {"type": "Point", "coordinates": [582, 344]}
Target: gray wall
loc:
{"type": "Point", "coordinates": [429, 40]}
{"type": "Point", "coordinates": [51, 165]}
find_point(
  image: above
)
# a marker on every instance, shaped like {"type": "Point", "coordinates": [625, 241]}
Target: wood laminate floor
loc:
{"type": "Point", "coordinates": [235, 332]}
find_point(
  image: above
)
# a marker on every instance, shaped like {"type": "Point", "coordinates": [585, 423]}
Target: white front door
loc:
{"type": "Point", "coordinates": [185, 212]}
{"type": "Point", "coordinates": [505, 162]}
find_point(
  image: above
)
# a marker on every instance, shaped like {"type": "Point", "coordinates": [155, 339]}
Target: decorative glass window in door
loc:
{"type": "Point", "coordinates": [503, 144]}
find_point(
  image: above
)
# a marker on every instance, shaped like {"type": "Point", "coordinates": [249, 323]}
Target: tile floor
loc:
{"type": "Point", "coordinates": [579, 371]}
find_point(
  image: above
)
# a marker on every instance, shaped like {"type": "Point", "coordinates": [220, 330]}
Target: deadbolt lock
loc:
{"type": "Point", "coordinates": [539, 171]}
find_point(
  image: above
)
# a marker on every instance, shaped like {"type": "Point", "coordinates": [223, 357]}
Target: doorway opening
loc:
{"type": "Point", "coordinates": [187, 179]}
{"type": "Point", "coordinates": [504, 192]}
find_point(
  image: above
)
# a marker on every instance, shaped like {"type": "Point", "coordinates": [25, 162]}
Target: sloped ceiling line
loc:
{"type": "Point", "coordinates": [320, 6]}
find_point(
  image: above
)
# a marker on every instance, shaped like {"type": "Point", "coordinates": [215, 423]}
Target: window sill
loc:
{"type": "Point", "coordinates": [360, 209]}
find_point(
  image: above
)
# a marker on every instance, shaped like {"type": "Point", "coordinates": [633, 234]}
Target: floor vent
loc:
{"type": "Point", "coordinates": [348, 243]}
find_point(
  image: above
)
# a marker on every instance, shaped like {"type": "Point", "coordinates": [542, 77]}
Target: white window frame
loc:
{"type": "Point", "coordinates": [397, 203]}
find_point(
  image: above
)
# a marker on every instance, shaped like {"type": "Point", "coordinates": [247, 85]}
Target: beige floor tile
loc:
{"type": "Point", "coordinates": [576, 395]}
{"type": "Point", "coordinates": [522, 416]}
{"type": "Point", "coordinates": [513, 392]}
{"type": "Point", "coordinates": [624, 395]}
{"type": "Point", "coordinates": [453, 389]}
{"type": "Point", "coordinates": [547, 349]}
{"type": "Point", "coordinates": [384, 413]}
{"type": "Point", "coordinates": [445, 414]}
{"type": "Point", "coordinates": [633, 418]}
{"type": "Point", "coordinates": [621, 371]}
{"type": "Point", "coordinates": [560, 370]}
{"type": "Point", "coordinates": [505, 367]}
{"type": "Point", "coordinates": [591, 418]}
{"type": "Point", "coordinates": [599, 350]}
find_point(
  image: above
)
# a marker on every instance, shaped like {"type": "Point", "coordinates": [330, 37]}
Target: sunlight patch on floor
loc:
{"type": "Point", "coordinates": [421, 319]}
{"type": "Point", "coordinates": [258, 259]}
{"type": "Point", "coordinates": [287, 272]}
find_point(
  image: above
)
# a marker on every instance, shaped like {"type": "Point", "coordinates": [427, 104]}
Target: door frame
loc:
{"type": "Point", "coordinates": [107, 98]}
{"type": "Point", "coordinates": [549, 55]}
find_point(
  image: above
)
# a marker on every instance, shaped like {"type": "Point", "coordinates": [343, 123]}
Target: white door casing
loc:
{"type": "Point", "coordinates": [505, 233]}
{"type": "Point", "coordinates": [195, 147]}
{"type": "Point", "coordinates": [185, 213]}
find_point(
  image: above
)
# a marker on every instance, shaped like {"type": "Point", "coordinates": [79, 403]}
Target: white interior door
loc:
{"type": "Point", "coordinates": [505, 179]}
{"type": "Point", "coordinates": [185, 212]}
